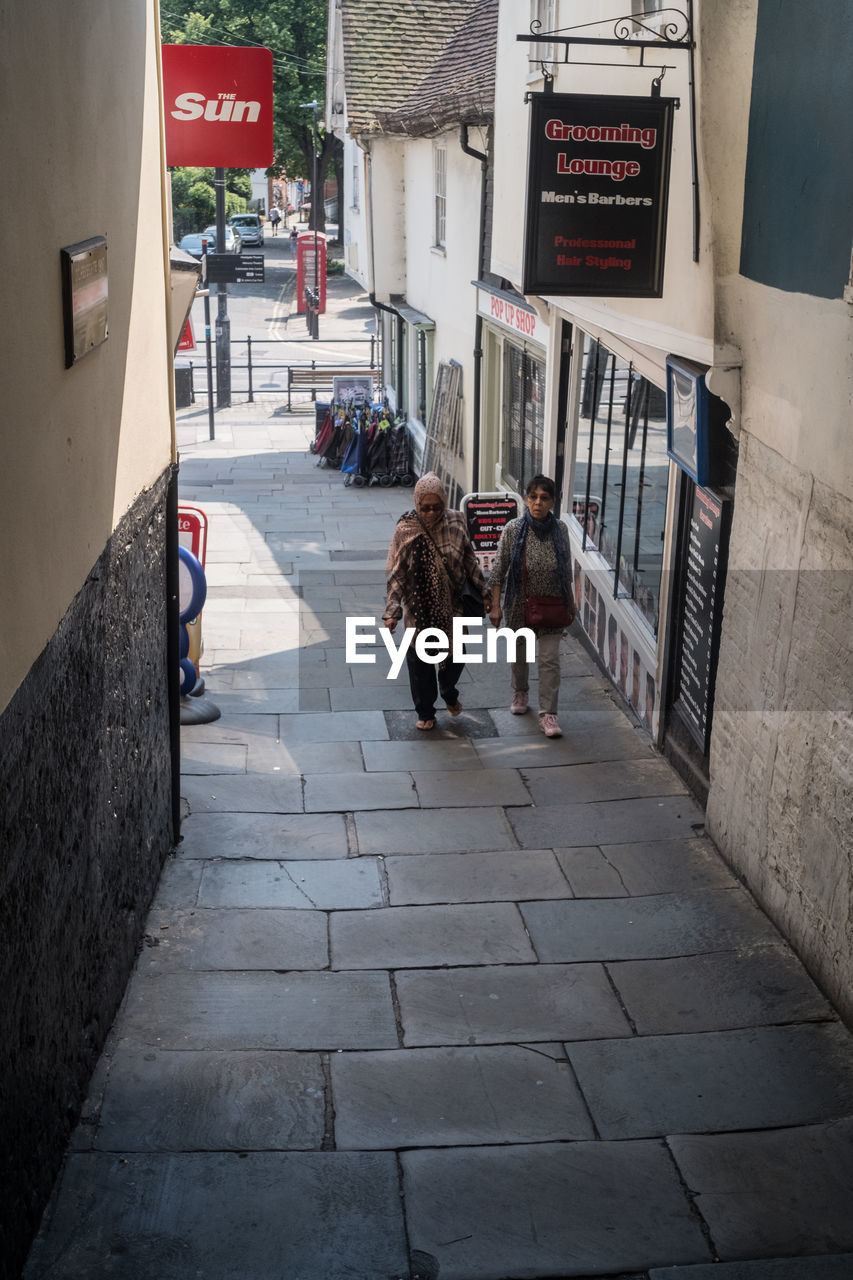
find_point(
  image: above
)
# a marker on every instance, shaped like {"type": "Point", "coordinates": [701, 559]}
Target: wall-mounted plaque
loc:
{"type": "Point", "coordinates": [84, 297]}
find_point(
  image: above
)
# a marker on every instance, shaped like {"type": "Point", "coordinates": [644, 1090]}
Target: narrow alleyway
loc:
{"type": "Point", "coordinates": [469, 1006]}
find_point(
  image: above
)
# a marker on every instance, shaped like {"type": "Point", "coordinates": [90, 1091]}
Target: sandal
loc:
{"type": "Point", "coordinates": [425, 725]}
{"type": "Point", "coordinates": [454, 710]}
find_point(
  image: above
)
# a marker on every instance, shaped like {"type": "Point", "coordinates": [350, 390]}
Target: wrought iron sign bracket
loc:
{"type": "Point", "coordinates": [673, 31]}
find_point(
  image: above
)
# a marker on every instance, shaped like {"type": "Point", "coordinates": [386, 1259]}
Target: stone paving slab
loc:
{"type": "Point", "coordinates": [213, 757]}
{"type": "Point", "coordinates": [364, 696]}
{"type": "Point", "coordinates": [611, 822]}
{"type": "Point", "coordinates": [764, 1077]}
{"type": "Point", "coordinates": [433, 831]}
{"type": "Point", "coordinates": [424, 754]}
{"type": "Point", "coordinates": [591, 716]}
{"type": "Point", "coordinates": [338, 726]}
{"type": "Point", "coordinates": [658, 866]}
{"type": "Point", "coordinates": [325, 757]}
{"type": "Point", "coordinates": [259, 1011]}
{"type": "Point", "coordinates": [509, 876]}
{"type": "Point", "coordinates": [537, 751]}
{"type": "Point", "coordinates": [548, 1210]}
{"type": "Point", "coordinates": [347, 792]}
{"type": "Point", "coordinates": [295, 1214]}
{"type": "Point", "coordinates": [645, 928]}
{"type": "Point", "coordinates": [754, 986]}
{"type": "Point", "coordinates": [827, 1267]}
{"type": "Point", "coordinates": [209, 938]}
{"type": "Point", "coordinates": [180, 881]}
{"type": "Point", "coordinates": [282, 696]}
{"type": "Point", "coordinates": [249, 793]}
{"type": "Point", "coordinates": [473, 723]}
{"type": "Point", "coordinates": [607, 780]}
{"type": "Point", "coordinates": [454, 1097]}
{"type": "Point", "coordinates": [324, 886]}
{"type": "Point", "coordinates": [506, 1004]}
{"type": "Point", "coordinates": [470, 790]}
{"type": "Point", "coordinates": [401, 937]}
{"type": "Point", "coordinates": [264, 835]}
{"type": "Point", "coordinates": [772, 1194]}
{"type": "Point", "coordinates": [213, 1102]}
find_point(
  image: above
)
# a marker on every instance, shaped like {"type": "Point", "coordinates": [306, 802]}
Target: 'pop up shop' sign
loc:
{"type": "Point", "coordinates": [597, 189]}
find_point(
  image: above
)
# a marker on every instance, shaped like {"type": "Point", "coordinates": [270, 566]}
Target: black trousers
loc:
{"type": "Point", "coordinates": [426, 680]}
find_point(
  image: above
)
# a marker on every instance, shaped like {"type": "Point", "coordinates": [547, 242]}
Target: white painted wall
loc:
{"type": "Point", "coordinates": [439, 280]}
{"type": "Point", "coordinates": [79, 444]}
{"type": "Point", "coordinates": [356, 246]}
{"type": "Point", "coordinates": [386, 197]}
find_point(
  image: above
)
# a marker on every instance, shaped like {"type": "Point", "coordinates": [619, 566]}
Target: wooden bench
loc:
{"type": "Point", "coordinates": [320, 378]}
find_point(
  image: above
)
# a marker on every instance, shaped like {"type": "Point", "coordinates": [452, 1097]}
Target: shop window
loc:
{"type": "Point", "coordinates": [621, 475]}
{"type": "Point", "coordinates": [355, 185]}
{"type": "Point", "coordinates": [440, 186]}
{"type": "Point", "coordinates": [523, 418]}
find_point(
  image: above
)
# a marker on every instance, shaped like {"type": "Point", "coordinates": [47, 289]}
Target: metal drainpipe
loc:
{"type": "Point", "coordinates": [478, 329]}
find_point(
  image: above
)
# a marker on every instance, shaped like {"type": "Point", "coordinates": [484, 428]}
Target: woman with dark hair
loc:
{"type": "Point", "coordinates": [534, 558]}
{"type": "Point", "coordinates": [429, 562]}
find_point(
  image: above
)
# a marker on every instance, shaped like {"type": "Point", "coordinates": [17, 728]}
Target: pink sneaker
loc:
{"type": "Point", "coordinates": [518, 706]}
{"type": "Point", "coordinates": [549, 726]}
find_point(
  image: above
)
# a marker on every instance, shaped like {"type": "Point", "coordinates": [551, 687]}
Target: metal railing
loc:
{"type": "Point", "coordinates": [253, 365]}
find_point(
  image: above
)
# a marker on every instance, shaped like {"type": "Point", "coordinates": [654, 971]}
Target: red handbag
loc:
{"type": "Point", "coordinates": [544, 613]}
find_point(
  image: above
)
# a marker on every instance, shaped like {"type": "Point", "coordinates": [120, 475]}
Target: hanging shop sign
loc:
{"type": "Point", "coordinates": [217, 106]}
{"type": "Point", "coordinates": [597, 192]}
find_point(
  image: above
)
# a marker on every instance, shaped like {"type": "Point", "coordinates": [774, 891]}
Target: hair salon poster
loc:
{"type": "Point", "coordinates": [597, 190]}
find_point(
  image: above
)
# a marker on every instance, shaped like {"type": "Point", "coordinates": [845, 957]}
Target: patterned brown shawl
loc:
{"type": "Point", "coordinates": [415, 563]}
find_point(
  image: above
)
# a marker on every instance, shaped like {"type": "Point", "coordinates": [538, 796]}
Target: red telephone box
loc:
{"type": "Point", "coordinates": [310, 274]}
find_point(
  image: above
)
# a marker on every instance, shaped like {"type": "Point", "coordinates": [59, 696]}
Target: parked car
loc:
{"type": "Point", "coordinates": [248, 226]}
{"type": "Point", "coordinates": [233, 240]}
{"type": "Point", "coordinates": [193, 243]}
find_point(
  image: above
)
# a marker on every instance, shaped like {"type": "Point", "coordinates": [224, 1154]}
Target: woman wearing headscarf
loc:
{"type": "Point", "coordinates": [533, 557]}
{"type": "Point", "coordinates": [429, 561]}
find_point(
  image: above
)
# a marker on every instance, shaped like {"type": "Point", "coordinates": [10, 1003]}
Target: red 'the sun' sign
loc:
{"type": "Point", "coordinates": [218, 106]}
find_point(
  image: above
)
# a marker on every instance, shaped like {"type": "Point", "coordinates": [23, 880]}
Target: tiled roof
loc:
{"type": "Point", "coordinates": [460, 87]}
{"type": "Point", "coordinates": [390, 46]}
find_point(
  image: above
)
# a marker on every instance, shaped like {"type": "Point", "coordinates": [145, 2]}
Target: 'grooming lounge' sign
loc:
{"type": "Point", "coordinates": [597, 189]}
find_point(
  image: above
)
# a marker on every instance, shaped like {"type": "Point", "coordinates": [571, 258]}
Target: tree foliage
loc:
{"type": "Point", "coordinates": [295, 31]}
{"type": "Point", "coordinates": [194, 197]}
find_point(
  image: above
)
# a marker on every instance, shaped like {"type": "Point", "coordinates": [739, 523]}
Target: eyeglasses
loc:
{"type": "Point", "coordinates": [425, 506]}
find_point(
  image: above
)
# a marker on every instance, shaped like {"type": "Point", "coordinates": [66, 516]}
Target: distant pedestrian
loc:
{"type": "Point", "coordinates": [275, 219]}
{"type": "Point", "coordinates": [294, 236]}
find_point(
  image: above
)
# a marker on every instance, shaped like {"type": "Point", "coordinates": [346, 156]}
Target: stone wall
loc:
{"type": "Point", "coordinates": [781, 795]}
{"type": "Point", "coordinates": [85, 823]}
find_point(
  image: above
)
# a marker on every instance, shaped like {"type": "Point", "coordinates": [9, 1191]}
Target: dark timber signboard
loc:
{"type": "Point", "coordinates": [597, 189]}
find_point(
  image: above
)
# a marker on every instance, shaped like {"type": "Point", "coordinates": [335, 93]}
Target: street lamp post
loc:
{"type": "Point", "coordinates": [314, 303]}
{"type": "Point", "coordinates": [223, 323]}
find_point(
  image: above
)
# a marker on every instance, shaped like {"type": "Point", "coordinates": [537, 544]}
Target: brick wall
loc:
{"type": "Point", "coordinates": [781, 795]}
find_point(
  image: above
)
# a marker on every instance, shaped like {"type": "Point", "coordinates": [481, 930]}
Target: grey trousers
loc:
{"type": "Point", "coordinates": [548, 662]}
